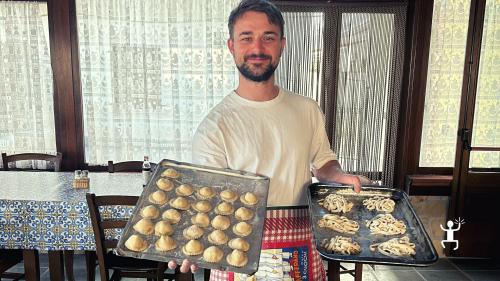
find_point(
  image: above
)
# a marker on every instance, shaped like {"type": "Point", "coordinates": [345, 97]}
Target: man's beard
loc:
{"type": "Point", "coordinates": [247, 72]}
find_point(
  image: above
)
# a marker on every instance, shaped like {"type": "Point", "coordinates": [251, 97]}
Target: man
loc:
{"type": "Point", "coordinates": [262, 128]}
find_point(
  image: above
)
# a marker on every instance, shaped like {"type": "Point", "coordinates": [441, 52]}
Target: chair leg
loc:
{"type": "Point", "coordinates": [105, 273]}
{"type": "Point", "coordinates": [358, 271]}
{"type": "Point", "coordinates": [160, 272]}
{"type": "Point", "coordinates": [68, 264]}
{"type": "Point", "coordinates": [31, 264]}
{"type": "Point", "coordinates": [206, 274]}
{"type": "Point", "coordinates": [90, 262]}
{"type": "Point", "coordinates": [56, 265]}
{"type": "Point", "coordinates": [333, 271]}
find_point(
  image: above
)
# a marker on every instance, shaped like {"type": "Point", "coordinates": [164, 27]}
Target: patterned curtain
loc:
{"type": "Point", "coordinates": [369, 74]}
{"type": "Point", "coordinates": [150, 70]}
{"type": "Point", "coordinates": [301, 65]}
{"type": "Point", "coordinates": [26, 99]}
{"type": "Point", "coordinates": [486, 130]}
{"type": "Point", "coordinates": [450, 21]}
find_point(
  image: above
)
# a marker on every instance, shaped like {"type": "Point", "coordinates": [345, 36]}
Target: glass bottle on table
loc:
{"type": "Point", "coordinates": [146, 170]}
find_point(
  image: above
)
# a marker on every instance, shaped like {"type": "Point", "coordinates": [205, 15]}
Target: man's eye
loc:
{"type": "Point", "coordinates": [269, 38]}
{"type": "Point", "coordinates": [246, 39]}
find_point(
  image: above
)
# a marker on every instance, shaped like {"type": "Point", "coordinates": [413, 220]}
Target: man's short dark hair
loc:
{"type": "Point", "coordinates": [263, 6]}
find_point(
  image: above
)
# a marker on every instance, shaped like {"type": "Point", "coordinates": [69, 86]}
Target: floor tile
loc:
{"type": "Point", "coordinates": [44, 260]}
{"type": "Point", "coordinates": [441, 264]}
{"type": "Point", "coordinates": [380, 267]}
{"type": "Point", "coordinates": [483, 275]}
{"type": "Point", "coordinates": [44, 275]}
{"type": "Point", "coordinates": [444, 275]}
{"type": "Point", "coordinates": [475, 264]}
{"type": "Point", "coordinates": [367, 276]}
{"type": "Point", "coordinates": [397, 275]}
{"type": "Point", "coordinates": [350, 266]}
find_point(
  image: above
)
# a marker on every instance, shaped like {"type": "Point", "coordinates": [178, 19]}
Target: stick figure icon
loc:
{"type": "Point", "coordinates": [450, 232]}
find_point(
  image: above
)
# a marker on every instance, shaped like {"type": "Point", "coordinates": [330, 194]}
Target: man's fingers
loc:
{"type": "Point", "coordinates": [194, 268]}
{"type": "Point", "coordinates": [364, 180]}
{"type": "Point", "coordinates": [357, 188]}
{"type": "Point", "coordinates": [172, 265]}
{"type": "Point", "coordinates": [185, 267]}
{"type": "Point", "coordinates": [357, 184]}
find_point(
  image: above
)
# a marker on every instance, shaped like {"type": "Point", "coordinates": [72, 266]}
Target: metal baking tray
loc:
{"type": "Point", "coordinates": [198, 176]}
{"type": "Point", "coordinates": [425, 252]}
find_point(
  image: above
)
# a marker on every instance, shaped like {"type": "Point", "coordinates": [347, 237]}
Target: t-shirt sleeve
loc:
{"type": "Point", "coordinates": [208, 146]}
{"type": "Point", "coordinates": [321, 153]}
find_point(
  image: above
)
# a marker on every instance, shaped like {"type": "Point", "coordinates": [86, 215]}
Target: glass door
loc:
{"type": "Point", "coordinates": [476, 188]}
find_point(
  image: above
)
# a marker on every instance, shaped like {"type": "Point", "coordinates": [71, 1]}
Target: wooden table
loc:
{"type": "Point", "coordinates": [42, 211]}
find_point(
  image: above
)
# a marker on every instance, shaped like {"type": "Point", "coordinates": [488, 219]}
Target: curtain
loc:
{"type": "Point", "coordinates": [450, 20]}
{"type": "Point", "coordinates": [301, 66]}
{"type": "Point", "coordinates": [486, 129]}
{"type": "Point", "coordinates": [370, 44]}
{"type": "Point", "coordinates": [151, 70]}
{"type": "Point", "coordinates": [26, 90]}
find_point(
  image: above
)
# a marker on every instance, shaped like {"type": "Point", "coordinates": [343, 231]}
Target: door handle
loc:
{"type": "Point", "coordinates": [465, 137]}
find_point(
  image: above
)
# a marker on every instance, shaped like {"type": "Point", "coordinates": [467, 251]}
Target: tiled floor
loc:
{"type": "Point", "coordinates": [443, 270]}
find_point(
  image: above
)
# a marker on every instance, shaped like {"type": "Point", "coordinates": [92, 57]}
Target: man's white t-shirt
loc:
{"type": "Point", "coordinates": [282, 138]}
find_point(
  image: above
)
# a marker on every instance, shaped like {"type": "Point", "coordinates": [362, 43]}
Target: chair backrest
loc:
{"type": "Point", "coordinates": [99, 224]}
{"type": "Point", "coordinates": [56, 159]}
{"type": "Point", "coordinates": [127, 166]}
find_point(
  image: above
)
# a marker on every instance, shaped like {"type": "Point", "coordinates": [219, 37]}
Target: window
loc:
{"type": "Point", "coordinates": [150, 71]}
{"type": "Point", "coordinates": [450, 21]}
{"type": "Point", "coordinates": [352, 69]}
{"type": "Point", "coordinates": [26, 99]}
{"type": "Point", "coordinates": [486, 130]}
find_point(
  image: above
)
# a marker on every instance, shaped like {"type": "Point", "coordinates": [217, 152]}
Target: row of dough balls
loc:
{"type": "Point", "coordinates": [193, 247]}
{"type": "Point", "coordinates": [195, 231]}
{"type": "Point", "coordinates": [174, 216]}
{"type": "Point", "coordinates": [220, 223]}
{"type": "Point", "coordinates": [204, 193]}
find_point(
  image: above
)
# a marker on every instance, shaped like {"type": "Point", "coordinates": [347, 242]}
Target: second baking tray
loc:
{"type": "Point", "coordinates": [425, 252]}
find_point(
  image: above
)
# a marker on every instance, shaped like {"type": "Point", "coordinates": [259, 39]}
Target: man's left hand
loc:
{"type": "Point", "coordinates": [332, 171]}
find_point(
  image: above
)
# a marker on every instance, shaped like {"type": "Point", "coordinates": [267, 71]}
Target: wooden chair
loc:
{"type": "Point", "coordinates": [55, 159]}
{"type": "Point", "coordinates": [121, 266]}
{"type": "Point", "coordinates": [127, 166]}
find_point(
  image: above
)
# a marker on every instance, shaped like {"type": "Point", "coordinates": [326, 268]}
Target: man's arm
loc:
{"type": "Point", "coordinates": [332, 171]}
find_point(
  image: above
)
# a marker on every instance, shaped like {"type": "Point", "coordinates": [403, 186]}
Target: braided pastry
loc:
{"type": "Point", "coordinates": [338, 223]}
{"type": "Point", "coordinates": [341, 245]}
{"type": "Point", "coordinates": [395, 247]}
{"type": "Point", "coordinates": [336, 203]}
{"type": "Point", "coordinates": [381, 204]}
{"type": "Point", "coordinates": [386, 224]}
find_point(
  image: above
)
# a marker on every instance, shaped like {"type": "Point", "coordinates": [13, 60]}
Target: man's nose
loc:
{"type": "Point", "coordinates": [258, 46]}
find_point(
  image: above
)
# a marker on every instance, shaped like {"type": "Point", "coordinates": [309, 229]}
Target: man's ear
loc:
{"type": "Point", "coordinates": [283, 41]}
{"type": "Point", "coordinates": [230, 45]}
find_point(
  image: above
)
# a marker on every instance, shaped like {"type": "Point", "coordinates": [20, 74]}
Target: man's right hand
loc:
{"type": "Point", "coordinates": [186, 266]}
